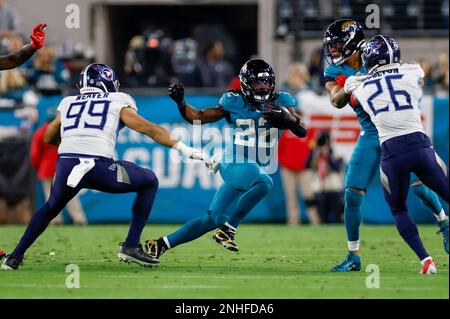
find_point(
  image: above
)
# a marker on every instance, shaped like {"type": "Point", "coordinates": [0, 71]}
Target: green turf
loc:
{"type": "Point", "coordinates": [275, 261]}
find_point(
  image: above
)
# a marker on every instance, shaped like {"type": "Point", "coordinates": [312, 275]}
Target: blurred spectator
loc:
{"type": "Point", "coordinates": [427, 69]}
{"type": "Point", "coordinates": [297, 80]}
{"type": "Point", "coordinates": [316, 67]}
{"type": "Point", "coordinates": [442, 74]}
{"type": "Point", "coordinates": [14, 88]}
{"type": "Point", "coordinates": [328, 180]}
{"type": "Point", "coordinates": [184, 62]}
{"type": "Point", "coordinates": [47, 74]}
{"type": "Point", "coordinates": [9, 20]}
{"type": "Point", "coordinates": [147, 60]}
{"type": "Point", "coordinates": [43, 159]}
{"type": "Point", "coordinates": [133, 67]}
{"type": "Point", "coordinates": [292, 155]}
{"type": "Point", "coordinates": [214, 69]}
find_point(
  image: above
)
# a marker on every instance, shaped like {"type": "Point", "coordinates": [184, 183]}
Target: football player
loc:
{"type": "Point", "coordinates": [343, 44]}
{"type": "Point", "coordinates": [391, 94]}
{"type": "Point", "coordinates": [21, 56]}
{"type": "Point", "coordinates": [255, 113]}
{"type": "Point", "coordinates": [86, 130]}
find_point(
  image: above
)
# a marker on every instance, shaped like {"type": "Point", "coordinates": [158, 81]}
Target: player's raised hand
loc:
{"type": "Point", "coordinates": [176, 92]}
{"type": "Point", "coordinates": [38, 36]}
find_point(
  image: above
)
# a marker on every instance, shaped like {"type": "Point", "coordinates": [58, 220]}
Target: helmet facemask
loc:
{"type": "Point", "coordinates": [259, 89]}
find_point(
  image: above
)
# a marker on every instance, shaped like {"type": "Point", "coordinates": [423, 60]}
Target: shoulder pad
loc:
{"type": "Point", "coordinates": [285, 99]}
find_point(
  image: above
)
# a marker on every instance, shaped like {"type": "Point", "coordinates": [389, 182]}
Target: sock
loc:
{"type": "Point", "coordinates": [441, 216]}
{"type": "Point", "coordinates": [352, 216]}
{"type": "Point", "coordinates": [229, 226]}
{"type": "Point", "coordinates": [353, 245]}
{"type": "Point", "coordinates": [166, 242]}
{"type": "Point", "coordinates": [141, 209]}
{"type": "Point", "coordinates": [247, 201]}
{"type": "Point", "coordinates": [430, 199]}
{"type": "Point", "coordinates": [193, 229]}
{"type": "Point", "coordinates": [409, 232]}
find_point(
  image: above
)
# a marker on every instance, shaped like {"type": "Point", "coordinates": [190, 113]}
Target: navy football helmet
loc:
{"type": "Point", "coordinates": [98, 76]}
{"type": "Point", "coordinates": [341, 40]}
{"type": "Point", "coordinates": [257, 80]}
{"type": "Point", "coordinates": [380, 50]}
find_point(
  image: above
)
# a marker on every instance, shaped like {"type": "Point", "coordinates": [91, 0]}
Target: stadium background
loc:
{"type": "Point", "coordinates": [262, 27]}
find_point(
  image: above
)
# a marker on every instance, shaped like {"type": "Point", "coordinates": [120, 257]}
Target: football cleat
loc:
{"type": "Point", "coordinates": [444, 230]}
{"type": "Point", "coordinates": [137, 255]}
{"type": "Point", "coordinates": [428, 267]}
{"type": "Point", "coordinates": [225, 237]}
{"type": "Point", "coordinates": [155, 248]}
{"type": "Point", "coordinates": [2, 254]}
{"type": "Point", "coordinates": [11, 262]}
{"type": "Point", "coordinates": [351, 263]}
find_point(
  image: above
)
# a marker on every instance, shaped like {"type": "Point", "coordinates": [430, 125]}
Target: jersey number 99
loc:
{"type": "Point", "coordinates": [95, 116]}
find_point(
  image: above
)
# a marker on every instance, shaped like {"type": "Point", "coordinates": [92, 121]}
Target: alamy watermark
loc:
{"type": "Point", "coordinates": [373, 279]}
{"type": "Point", "coordinates": [73, 277]}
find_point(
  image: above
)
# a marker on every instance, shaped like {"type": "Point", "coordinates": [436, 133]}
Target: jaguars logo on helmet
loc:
{"type": "Point", "coordinates": [342, 39]}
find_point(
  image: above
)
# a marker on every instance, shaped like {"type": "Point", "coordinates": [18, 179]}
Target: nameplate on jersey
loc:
{"type": "Point", "coordinates": [78, 171]}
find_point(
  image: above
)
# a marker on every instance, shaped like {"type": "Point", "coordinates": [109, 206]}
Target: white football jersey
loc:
{"type": "Point", "coordinates": [90, 122]}
{"type": "Point", "coordinates": [392, 98]}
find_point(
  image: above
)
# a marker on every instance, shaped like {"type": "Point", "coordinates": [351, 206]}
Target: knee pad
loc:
{"type": "Point", "coordinates": [263, 187]}
{"type": "Point", "coordinates": [152, 179]}
{"type": "Point", "coordinates": [353, 198]}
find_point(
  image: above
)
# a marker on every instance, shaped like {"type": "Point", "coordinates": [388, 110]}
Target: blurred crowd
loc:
{"type": "Point", "coordinates": [155, 59]}
{"type": "Point", "coordinates": [309, 169]}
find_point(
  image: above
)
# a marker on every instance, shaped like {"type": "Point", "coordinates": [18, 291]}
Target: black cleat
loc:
{"type": "Point", "coordinates": [11, 262]}
{"type": "Point", "coordinates": [225, 237]}
{"type": "Point", "coordinates": [155, 248]}
{"type": "Point", "coordinates": [137, 255]}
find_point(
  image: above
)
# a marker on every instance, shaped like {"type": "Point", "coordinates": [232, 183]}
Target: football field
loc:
{"type": "Point", "coordinates": [275, 261]}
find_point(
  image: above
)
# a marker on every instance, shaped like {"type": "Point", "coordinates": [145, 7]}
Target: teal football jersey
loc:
{"type": "Point", "coordinates": [332, 72]}
{"type": "Point", "coordinates": [250, 136]}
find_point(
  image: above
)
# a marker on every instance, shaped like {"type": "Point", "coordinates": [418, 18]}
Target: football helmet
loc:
{"type": "Point", "coordinates": [341, 40]}
{"type": "Point", "coordinates": [257, 80]}
{"type": "Point", "coordinates": [380, 50]}
{"type": "Point", "coordinates": [97, 77]}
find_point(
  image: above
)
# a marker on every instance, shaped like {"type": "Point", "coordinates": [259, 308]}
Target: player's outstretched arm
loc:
{"type": "Point", "coordinates": [189, 113]}
{"type": "Point", "coordinates": [159, 134]}
{"type": "Point", "coordinates": [21, 56]}
{"type": "Point", "coordinates": [52, 133]}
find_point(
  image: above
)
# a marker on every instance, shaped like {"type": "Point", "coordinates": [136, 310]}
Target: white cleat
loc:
{"type": "Point", "coordinates": [428, 266]}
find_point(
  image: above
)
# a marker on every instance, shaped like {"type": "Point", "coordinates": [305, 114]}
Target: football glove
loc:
{"type": "Point", "coordinates": [193, 153]}
{"type": "Point", "coordinates": [176, 92]}
{"type": "Point", "coordinates": [340, 80]}
{"type": "Point", "coordinates": [353, 82]}
{"type": "Point", "coordinates": [38, 36]}
{"type": "Point", "coordinates": [277, 116]}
